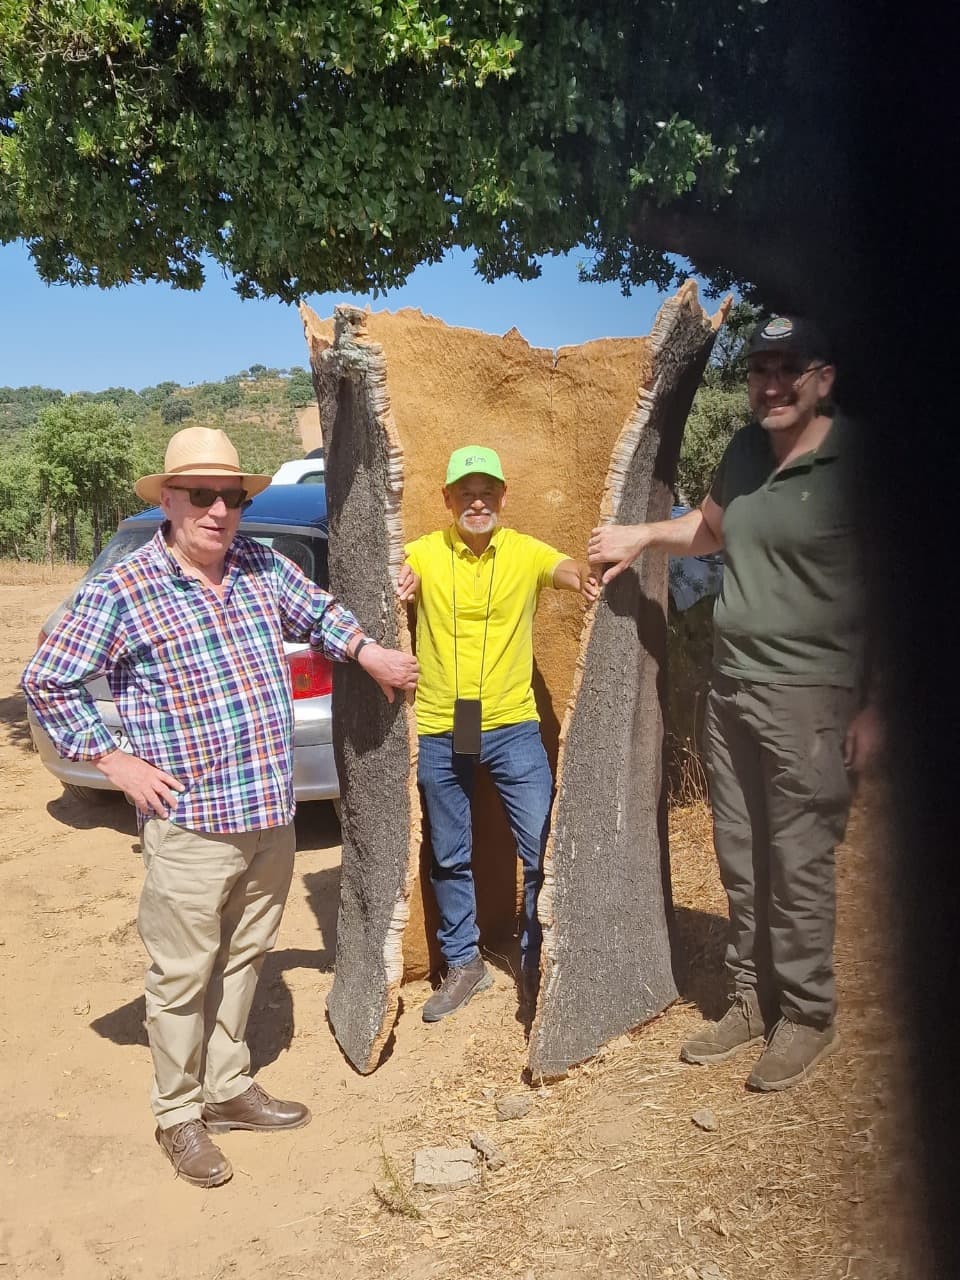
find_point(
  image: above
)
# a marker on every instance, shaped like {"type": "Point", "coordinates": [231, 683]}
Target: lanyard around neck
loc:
{"type": "Point", "coordinates": [486, 621]}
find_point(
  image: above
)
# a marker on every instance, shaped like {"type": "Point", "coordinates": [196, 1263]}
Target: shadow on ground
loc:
{"type": "Point", "coordinates": [13, 723]}
{"type": "Point", "coordinates": [271, 1026]}
{"type": "Point", "coordinates": [701, 939]}
{"type": "Point", "coordinates": [112, 811]}
{"type": "Point", "coordinates": [316, 825]}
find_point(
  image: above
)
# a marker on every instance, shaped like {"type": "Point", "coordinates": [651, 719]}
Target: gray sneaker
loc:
{"type": "Point", "coordinates": [458, 986]}
{"type": "Point", "coordinates": [792, 1053]}
{"type": "Point", "coordinates": [740, 1026]}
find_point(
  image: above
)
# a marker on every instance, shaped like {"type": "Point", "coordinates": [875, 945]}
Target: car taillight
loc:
{"type": "Point", "coordinates": [311, 674]}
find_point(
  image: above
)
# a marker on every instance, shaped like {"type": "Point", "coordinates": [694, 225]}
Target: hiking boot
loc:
{"type": "Point", "coordinates": [194, 1157]}
{"type": "Point", "coordinates": [255, 1110]}
{"type": "Point", "coordinates": [740, 1026]}
{"type": "Point", "coordinates": [461, 982]}
{"type": "Point", "coordinates": [791, 1054]}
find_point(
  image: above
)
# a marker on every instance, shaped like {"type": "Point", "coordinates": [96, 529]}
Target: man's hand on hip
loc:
{"type": "Point", "coordinates": [390, 668]}
{"type": "Point", "coordinates": [149, 788]}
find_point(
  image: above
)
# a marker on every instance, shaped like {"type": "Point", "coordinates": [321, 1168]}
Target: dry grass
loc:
{"type": "Point", "coordinates": [26, 573]}
{"type": "Point", "coordinates": [608, 1176]}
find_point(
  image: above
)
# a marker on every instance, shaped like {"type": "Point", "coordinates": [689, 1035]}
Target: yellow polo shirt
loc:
{"type": "Point", "coordinates": [511, 572]}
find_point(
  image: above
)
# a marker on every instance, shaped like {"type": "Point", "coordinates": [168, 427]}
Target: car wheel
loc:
{"type": "Point", "coordinates": [91, 795]}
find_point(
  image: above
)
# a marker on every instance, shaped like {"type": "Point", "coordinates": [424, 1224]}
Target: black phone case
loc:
{"type": "Point", "coordinates": [467, 718]}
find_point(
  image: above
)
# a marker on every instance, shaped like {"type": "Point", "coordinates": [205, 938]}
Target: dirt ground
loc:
{"type": "Point", "coordinates": [606, 1175]}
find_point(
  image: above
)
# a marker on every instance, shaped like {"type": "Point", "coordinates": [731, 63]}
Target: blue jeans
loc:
{"type": "Point", "coordinates": [520, 771]}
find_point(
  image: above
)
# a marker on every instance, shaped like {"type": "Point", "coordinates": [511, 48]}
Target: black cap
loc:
{"type": "Point", "coordinates": [789, 333]}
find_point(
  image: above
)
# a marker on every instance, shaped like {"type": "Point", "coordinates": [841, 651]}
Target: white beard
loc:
{"type": "Point", "coordinates": [489, 524]}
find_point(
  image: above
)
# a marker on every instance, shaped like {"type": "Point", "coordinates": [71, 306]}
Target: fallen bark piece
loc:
{"type": "Point", "coordinates": [444, 1168]}
{"type": "Point", "coordinates": [490, 1152]}
{"type": "Point", "coordinates": [514, 1107]}
{"type": "Point", "coordinates": [706, 1120]}
{"type": "Point", "coordinates": [605, 906]}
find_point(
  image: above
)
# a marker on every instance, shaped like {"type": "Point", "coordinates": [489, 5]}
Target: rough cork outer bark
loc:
{"type": "Point", "coordinates": [374, 741]}
{"type": "Point", "coordinates": [606, 903]}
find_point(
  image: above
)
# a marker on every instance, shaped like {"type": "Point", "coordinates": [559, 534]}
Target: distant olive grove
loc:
{"type": "Point", "coordinates": [68, 462]}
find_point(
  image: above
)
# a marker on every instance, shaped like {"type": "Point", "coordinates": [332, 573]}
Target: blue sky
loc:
{"type": "Point", "coordinates": [88, 339]}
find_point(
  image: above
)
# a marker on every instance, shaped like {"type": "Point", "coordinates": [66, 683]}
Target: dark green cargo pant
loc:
{"type": "Point", "coordinates": [780, 797]}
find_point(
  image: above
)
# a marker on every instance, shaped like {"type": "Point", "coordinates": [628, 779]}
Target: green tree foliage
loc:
{"type": "Point", "coordinates": [154, 397]}
{"type": "Point", "coordinates": [716, 414]}
{"type": "Point", "coordinates": [21, 535]}
{"type": "Point", "coordinates": [719, 408]}
{"type": "Point", "coordinates": [19, 406]}
{"type": "Point", "coordinates": [85, 460]}
{"type": "Point", "coordinates": [313, 147]}
{"type": "Point", "coordinates": [176, 409]}
{"type": "Point", "coordinates": [299, 389]}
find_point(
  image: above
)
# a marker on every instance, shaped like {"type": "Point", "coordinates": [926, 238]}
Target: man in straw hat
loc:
{"type": "Point", "coordinates": [786, 722]}
{"type": "Point", "coordinates": [189, 631]}
{"type": "Point", "coordinates": [477, 586]}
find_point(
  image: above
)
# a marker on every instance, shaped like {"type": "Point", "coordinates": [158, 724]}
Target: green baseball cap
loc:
{"type": "Point", "coordinates": [473, 458]}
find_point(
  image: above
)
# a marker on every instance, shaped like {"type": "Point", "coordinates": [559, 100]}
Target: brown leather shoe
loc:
{"type": "Point", "coordinates": [194, 1157]}
{"type": "Point", "coordinates": [255, 1109]}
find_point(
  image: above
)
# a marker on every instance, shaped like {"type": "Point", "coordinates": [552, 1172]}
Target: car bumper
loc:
{"type": "Point", "coordinates": [314, 770]}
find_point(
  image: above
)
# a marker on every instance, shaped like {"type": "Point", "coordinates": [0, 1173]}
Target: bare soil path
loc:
{"type": "Point", "coordinates": [606, 1176]}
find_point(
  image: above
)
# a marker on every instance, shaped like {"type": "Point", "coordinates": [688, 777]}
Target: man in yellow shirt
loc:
{"type": "Point", "coordinates": [476, 587]}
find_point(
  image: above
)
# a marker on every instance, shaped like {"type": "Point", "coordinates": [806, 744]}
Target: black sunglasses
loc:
{"type": "Point", "coordinates": [203, 498]}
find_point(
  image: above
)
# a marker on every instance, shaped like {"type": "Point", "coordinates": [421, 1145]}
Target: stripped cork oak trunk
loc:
{"type": "Point", "coordinates": [397, 393]}
{"type": "Point", "coordinates": [605, 905]}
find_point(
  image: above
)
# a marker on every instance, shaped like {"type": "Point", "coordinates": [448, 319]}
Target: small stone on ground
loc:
{"type": "Point", "coordinates": [445, 1167]}
{"type": "Point", "coordinates": [513, 1107]}
{"type": "Point", "coordinates": [705, 1119]}
{"type": "Point", "coordinates": [491, 1153]}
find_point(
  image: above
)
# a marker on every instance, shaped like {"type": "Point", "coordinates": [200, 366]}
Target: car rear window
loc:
{"type": "Point", "coordinates": [309, 554]}
{"type": "Point", "coordinates": [120, 545]}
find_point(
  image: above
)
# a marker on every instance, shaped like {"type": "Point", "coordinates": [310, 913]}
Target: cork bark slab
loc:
{"type": "Point", "coordinates": [606, 904]}
{"type": "Point", "coordinates": [374, 741]}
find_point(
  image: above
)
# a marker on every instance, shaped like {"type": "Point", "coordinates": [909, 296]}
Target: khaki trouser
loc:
{"type": "Point", "coordinates": [209, 911]}
{"type": "Point", "coordinates": [780, 797]}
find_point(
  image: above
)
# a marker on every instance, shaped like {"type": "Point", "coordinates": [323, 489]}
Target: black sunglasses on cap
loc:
{"type": "Point", "coordinates": [203, 498]}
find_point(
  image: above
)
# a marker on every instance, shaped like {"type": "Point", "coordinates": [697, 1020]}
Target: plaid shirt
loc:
{"type": "Point", "coordinates": [200, 680]}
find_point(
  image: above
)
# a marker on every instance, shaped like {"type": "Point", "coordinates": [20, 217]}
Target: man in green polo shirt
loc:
{"type": "Point", "coordinates": [785, 722]}
{"type": "Point", "coordinates": [476, 587]}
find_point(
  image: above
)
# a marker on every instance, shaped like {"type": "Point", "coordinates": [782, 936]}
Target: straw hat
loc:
{"type": "Point", "coordinates": [199, 451]}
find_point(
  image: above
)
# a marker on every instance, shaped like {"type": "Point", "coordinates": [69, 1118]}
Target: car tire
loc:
{"type": "Point", "coordinates": [92, 795]}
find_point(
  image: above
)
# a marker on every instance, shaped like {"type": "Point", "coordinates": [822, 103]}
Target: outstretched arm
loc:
{"type": "Point", "coordinates": [698, 533]}
{"type": "Point", "coordinates": [572, 575]}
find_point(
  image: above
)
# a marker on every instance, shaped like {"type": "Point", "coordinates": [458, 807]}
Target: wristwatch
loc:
{"type": "Point", "coordinates": [365, 640]}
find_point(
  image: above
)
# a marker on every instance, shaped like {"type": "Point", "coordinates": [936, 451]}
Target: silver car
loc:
{"type": "Point", "coordinates": [292, 519]}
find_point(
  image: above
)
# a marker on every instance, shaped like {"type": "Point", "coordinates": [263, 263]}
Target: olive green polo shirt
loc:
{"type": "Point", "coordinates": [790, 610]}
